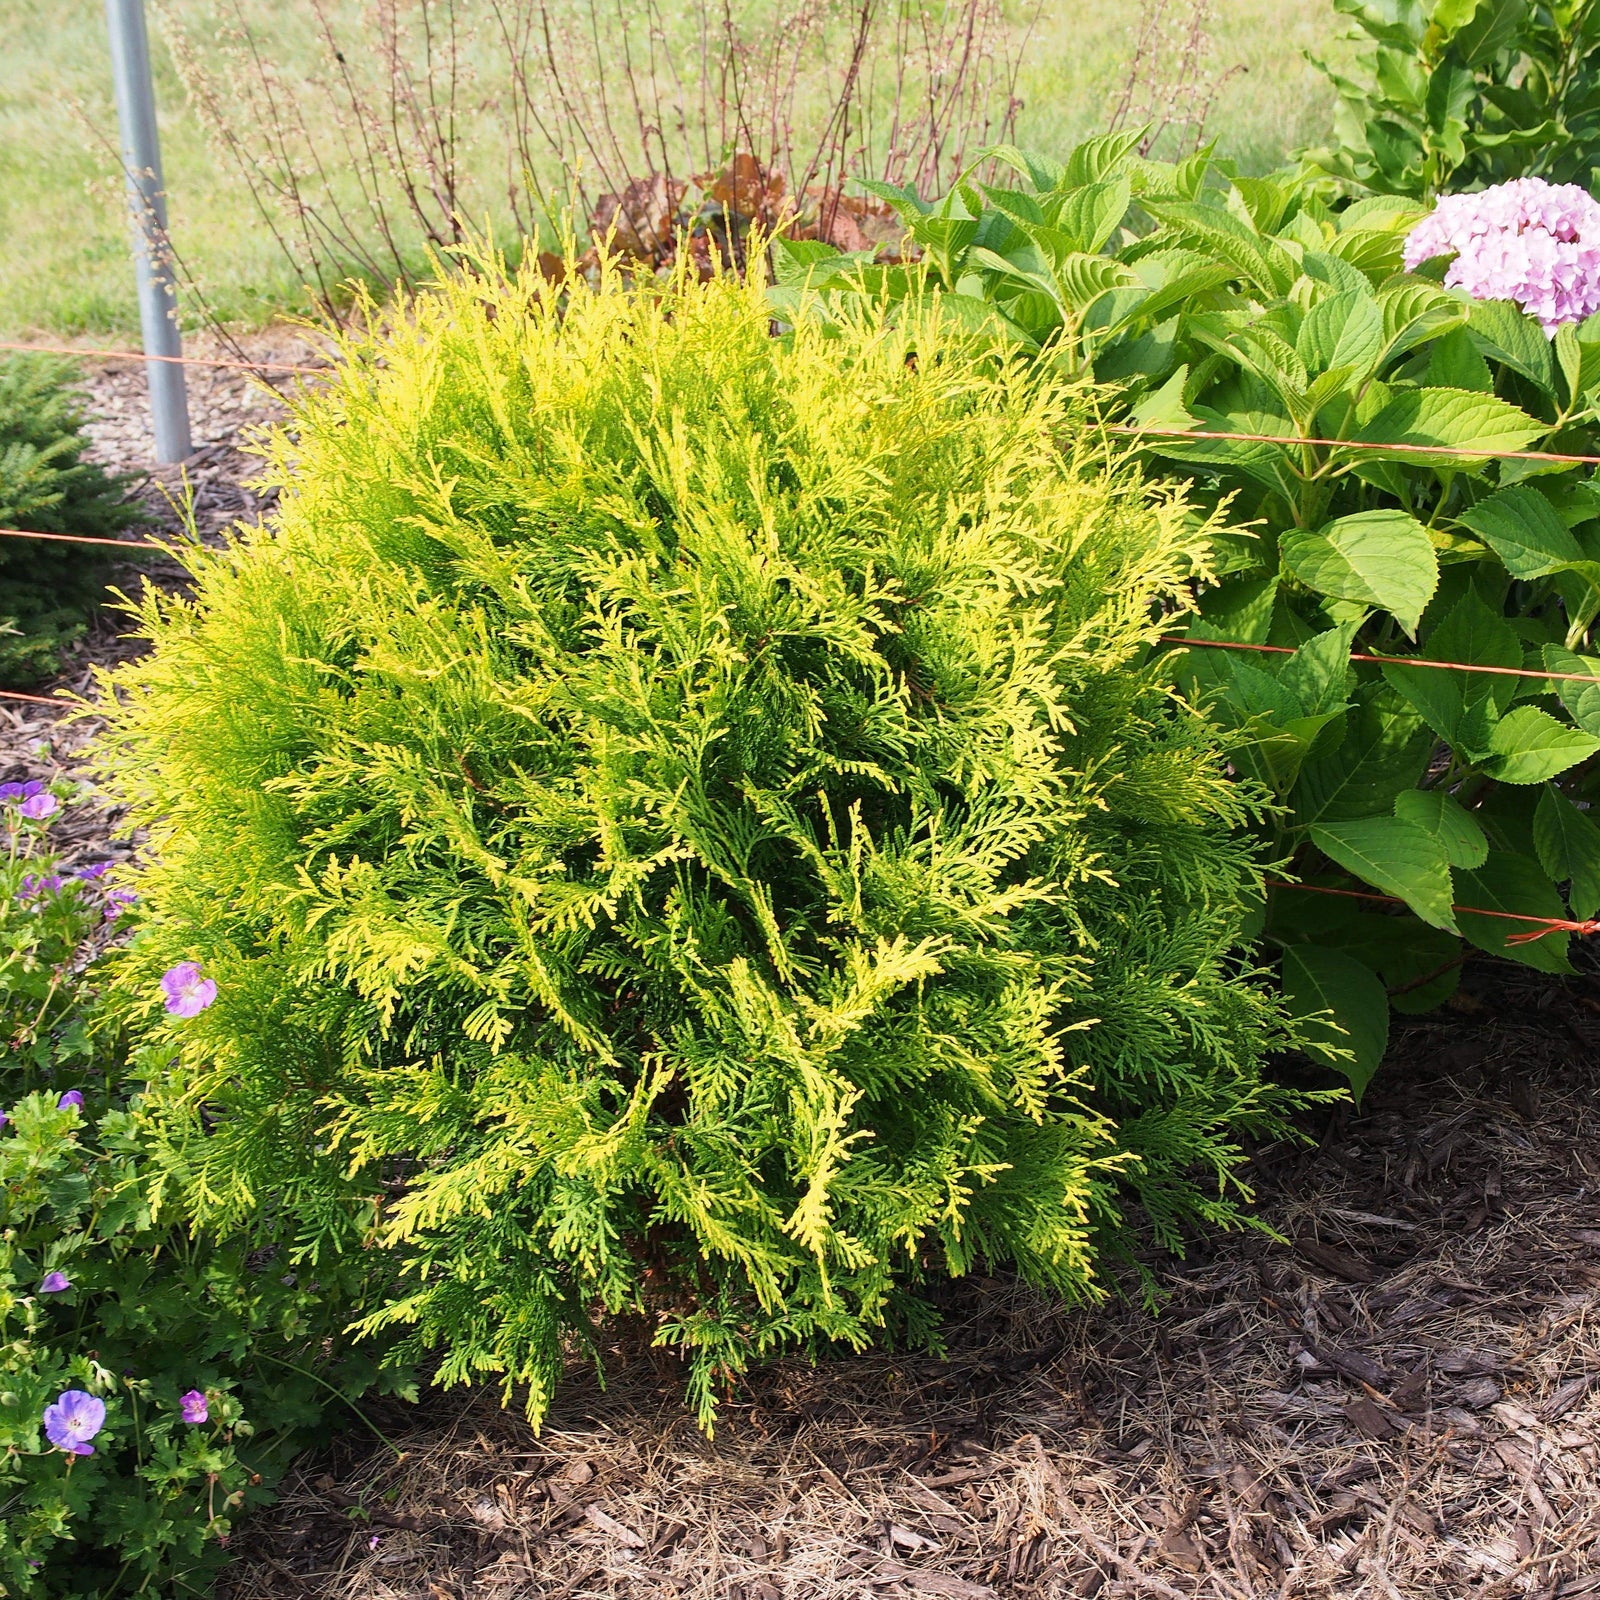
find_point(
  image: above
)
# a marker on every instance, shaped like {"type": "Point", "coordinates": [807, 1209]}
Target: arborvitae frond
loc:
{"type": "Point", "coordinates": [683, 821]}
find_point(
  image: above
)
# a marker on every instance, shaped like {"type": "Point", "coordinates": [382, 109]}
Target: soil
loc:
{"type": "Point", "coordinates": [1392, 1389]}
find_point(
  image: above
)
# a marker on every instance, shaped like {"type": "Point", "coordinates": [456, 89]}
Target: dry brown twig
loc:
{"type": "Point", "coordinates": [1171, 87]}
{"type": "Point", "coordinates": [628, 115]}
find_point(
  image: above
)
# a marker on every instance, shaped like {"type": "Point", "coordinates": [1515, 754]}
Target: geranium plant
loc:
{"type": "Point", "coordinates": [151, 1385]}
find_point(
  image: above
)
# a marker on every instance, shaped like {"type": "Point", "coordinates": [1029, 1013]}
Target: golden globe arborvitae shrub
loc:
{"type": "Point", "coordinates": [682, 823]}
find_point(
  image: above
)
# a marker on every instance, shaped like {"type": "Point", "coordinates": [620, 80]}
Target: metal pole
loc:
{"type": "Point", "coordinates": [147, 200]}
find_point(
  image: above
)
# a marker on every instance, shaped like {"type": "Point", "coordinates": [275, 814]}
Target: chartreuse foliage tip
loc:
{"type": "Point", "coordinates": [683, 824]}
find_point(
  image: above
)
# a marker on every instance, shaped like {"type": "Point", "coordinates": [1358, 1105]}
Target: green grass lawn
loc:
{"type": "Point", "coordinates": [65, 268]}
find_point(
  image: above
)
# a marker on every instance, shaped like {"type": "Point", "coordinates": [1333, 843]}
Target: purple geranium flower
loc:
{"type": "Point", "coordinates": [34, 888]}
{"type": "Point", "coordinates": [73, 1097]}
{"type": "Point", "coordinates": [73, 1421]}
{"type": "Point", "coordinates": [39, 806]}
{"type": "Point", "coordinates": [10, 793]}
{"type": "Point", "coordinates": [193, 1407]}
{"type": "Point", "coordinates": [55, 1283]}
{"type": "Point", "coordinates": [95, 869]}
{"type": "Point", "coordinates": [188, 994]}
{"type": "Point", "coordinates": [118, 901]}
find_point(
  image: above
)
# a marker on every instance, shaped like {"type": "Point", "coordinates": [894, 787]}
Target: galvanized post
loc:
{"type": "Point", "coordinates": [141, 161]}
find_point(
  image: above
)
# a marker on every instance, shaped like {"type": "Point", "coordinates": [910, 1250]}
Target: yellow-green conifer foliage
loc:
{"type": "Point", "coordinates": [683, 824]}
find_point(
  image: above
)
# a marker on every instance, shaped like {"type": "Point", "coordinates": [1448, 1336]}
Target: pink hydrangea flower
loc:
{"type": "Point", "coordinates": [187, 992]}
{"type": "Point", "coordinates": [1529, 241]}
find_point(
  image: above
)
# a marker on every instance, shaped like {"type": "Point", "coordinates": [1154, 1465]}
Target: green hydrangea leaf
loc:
{"type": "Point", "coordinates": [1399, 857]}
{"type": "Point", "coordinates": [1568, 843]}
{"type": "Point", "coordinates": [1581, 700]}
{"type": "Point", "coordinates": [1455, 418]}
{"type": "Point", "coordinates": [1384, 752]}
{"type": "Point", "coordinates": [1518, 888]}
{"type": "Point", "coordinates": [1465, 843]}
{"type": "Point", "coordinates": [1341, 1011]}
{"type": "Point", "coordinates": [1376, 558]}
{"type": "Point", "coordinates": [1528, 745]}
{"type": "Point", "coordinates": [1521, 526]}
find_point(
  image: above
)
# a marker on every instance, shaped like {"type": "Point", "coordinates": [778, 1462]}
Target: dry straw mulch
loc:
{"type": "Point", "coordinates": [1399, 1397]}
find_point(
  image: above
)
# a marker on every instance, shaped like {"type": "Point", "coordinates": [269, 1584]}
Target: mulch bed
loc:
{"type": "Point", "coordinates": [1398, 1396]}
{"type": "Point", "coordinates": [1395, 1393]}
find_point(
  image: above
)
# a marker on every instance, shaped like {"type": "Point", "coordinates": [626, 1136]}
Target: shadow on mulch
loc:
{"type": "Point", "coordinates": [1398, 1397]}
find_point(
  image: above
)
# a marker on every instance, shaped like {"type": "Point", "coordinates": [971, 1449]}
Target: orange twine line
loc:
{"type": "Point", "coordinates": [79, 538]}
{"type": "Point", "coordinates": [1388, 661]}
{"type": "Point", "coordinates": [1460, 451]}
{"type": "Point", "coordinates": [178, 361]}
{"type": "Point", "coordinates": [1547, 925]}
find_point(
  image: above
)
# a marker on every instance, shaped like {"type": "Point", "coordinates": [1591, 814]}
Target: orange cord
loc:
{"type": "Point", "coordinates": [1546, 925]}
{"type": "Point", "coordinates": [139, 355]}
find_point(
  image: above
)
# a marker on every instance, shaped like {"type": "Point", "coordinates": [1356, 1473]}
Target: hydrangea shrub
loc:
{"type": "Point", "coordinates": [1533, 242]}
{"type": "Point", "coordinates": [1364, 427]}
{"type": "Point", "coordinates": [682, 823]}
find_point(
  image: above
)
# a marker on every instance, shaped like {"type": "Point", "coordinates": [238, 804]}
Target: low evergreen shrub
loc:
{"type": "Point", "coordinates": [46, 486]}
{"type": "Point", "coordinates": [151, 1386]}
{"type": "Point", "coordinates": [682, 824]}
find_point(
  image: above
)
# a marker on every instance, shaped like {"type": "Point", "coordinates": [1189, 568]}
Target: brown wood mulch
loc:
{"type": "Point", "coordinates": [1395, 1394]}
{"type": "Point", "coordinates": [1398, 1396]}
